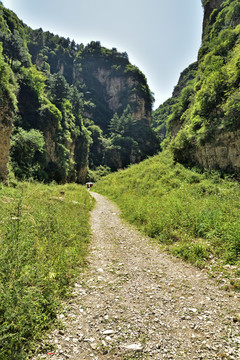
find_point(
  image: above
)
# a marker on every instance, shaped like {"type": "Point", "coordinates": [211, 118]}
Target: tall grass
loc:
{"type": "Point", "coordinates": [43, 240]}
{"type": "Point", "coordinates": [196, 216]}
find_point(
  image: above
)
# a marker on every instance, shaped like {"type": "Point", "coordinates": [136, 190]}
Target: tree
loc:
{"type": "Point", "coordinates": [122, 125]}
{"type": "Point", "coordinates": [28, 154]}
{"type": "Point", "coordinates": [77, 101]}
{"type": "Point", "coordinates": [14, 48]}
{"type": "Point", "coordinates": [114, 125]}
{"type": "Point", "coordinates": [97, 150]}
{"type": "Point", "coordinates": [59, 89]}
{"type": "Point", "coordinates": [127, 122]}
{"type": "Point", "coordinates": [9, 87]}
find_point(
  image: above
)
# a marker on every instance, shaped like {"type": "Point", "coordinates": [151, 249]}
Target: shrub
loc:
{"type": "Point", "coordinates": [28, 154]}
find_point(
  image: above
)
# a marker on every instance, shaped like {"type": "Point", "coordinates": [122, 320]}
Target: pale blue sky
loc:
{"type": "Point", "coordinates": [161, 37]}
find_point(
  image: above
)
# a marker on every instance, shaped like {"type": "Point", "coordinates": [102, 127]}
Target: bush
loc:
{"type": "Point", "coordinates": [28, 154]}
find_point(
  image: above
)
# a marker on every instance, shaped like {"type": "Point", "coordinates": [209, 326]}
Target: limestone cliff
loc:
{"type": "Point", "coordinates": [203, 125]}
{"type": "Point", "coordinates": [209, 7]}
{"type": "Point", "coordinates": [63, 90]}
{"type": "Point", "coordinates": [77, 158]}
{"type": "Point", "coordinates": [50, 144]}
{"type": "Point", "coordinates": [8, 105]}
{"type": "Point", "coordinates": [5, 134]}
{"type": "Point", "coordinates": [114, 86]}
{"type": "Point", "coordinates": [112, 83]}
{"type": "Point", "coordinates": [223, 154]}
{"type": "Point", "coordinates": [80, 157]}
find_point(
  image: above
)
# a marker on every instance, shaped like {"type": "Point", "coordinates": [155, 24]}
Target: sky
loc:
{"type": "Point", "coordinates": [161, 37]}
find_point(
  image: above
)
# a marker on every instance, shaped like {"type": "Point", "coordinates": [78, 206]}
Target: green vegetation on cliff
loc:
{"type": "Point", "coordinates": [174, 107]}
{"type": "Point", "coordinates": [63, 91]}
{"type": "Point", "coordinates": [208, 106]}
{"type": "Point", "coordinates": [8, 87]}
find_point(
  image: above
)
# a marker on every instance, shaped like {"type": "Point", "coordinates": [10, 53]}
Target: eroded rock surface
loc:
{"type": "Point", "coordinates": [5, 134]}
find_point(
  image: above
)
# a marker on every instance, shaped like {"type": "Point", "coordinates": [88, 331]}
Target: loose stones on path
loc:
{"type": "Point", "coordinates": [134, 302]}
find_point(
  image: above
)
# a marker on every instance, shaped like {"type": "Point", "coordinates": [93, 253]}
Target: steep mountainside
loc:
{"type": "Point", "coordinates": [167, 108]}
{"type": "Point", "coordinates": [7, 109]}
{"type": "Point", "coordinates": [204, 122]}
{"type": "Point", "coordinates": [210, 10]}
{"type": "Point", "coordinates": [60, 102]}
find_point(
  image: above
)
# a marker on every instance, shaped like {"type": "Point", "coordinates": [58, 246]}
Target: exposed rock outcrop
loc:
{"type": "Point", "coordinates": [209, 6]}
{"type": "Point", "coordinates": [62, 90]}
{"type": "Point", "coordinates": [114, 87]}
{"type": "Point", "coordinates": [50, 145]}
{"type": "Point", "coordinates": [80, 158]}
{"type": "Point", "coordinates": [204, 124]}
{"type": "Point", "coordinates": [223, 154]}
{"type": "Point", "coordinates": [5, 134]}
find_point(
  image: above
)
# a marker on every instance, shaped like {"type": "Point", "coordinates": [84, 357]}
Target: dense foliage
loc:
{"type": "Point", "coordinates": [52, 85]}
{"type": "Point", "coordinates": [173, 108]}
{"type": "Point", "coordinates": [41, 249]}
{"type": "Point", "coordinates": [208, 105]}
{"type": "Point", "coordinates": [194, 215]}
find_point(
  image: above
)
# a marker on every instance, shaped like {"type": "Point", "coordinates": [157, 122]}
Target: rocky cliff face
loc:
{"type": "Point", "coordinates": [223, 154]}
{"type": "Point", "coordinates": [78, 154]}
{"type": "Point", "coordinates": [50, 144]}
{"type": "Point", "coordinates": [114, 86]}
{"type": "Point", "coordinates": [63, 89]}
{"type": "Point", "coordinates": [5, 134]}
{"type": "Point", "coordinates": [209, 6]}
{"type": "Point", "coordinates": [204, 121]}
{"type": "Point", "coordinates": [80, 157]}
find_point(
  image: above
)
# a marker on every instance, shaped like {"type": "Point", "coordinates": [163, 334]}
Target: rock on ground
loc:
{"type": "Point", "coordinates": [134, 302]}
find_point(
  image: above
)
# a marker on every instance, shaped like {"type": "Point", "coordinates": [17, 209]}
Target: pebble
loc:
{"type": "Point", "coordinates": [108, 332]}
{"type": "Point", "coordinates": [134, 347]}
{"type": "Point", "coordinates": [145, 302]}
{"type": "Point", "coordinates": [91, 340]}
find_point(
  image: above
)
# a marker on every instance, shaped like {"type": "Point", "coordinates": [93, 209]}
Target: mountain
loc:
{"type": "Point", "coordinates": [202, 119]}
{"type": "Point", "coordinates": [67, 108]}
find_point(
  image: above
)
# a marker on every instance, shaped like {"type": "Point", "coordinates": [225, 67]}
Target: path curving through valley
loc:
{"type": "Point", "coordinates": [134, 302]}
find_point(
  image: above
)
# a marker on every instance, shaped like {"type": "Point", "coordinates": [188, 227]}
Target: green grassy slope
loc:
{"type": "Point", "coordinates": [43, 241]}
{"type": "Point", "coordinates": [195, 216]}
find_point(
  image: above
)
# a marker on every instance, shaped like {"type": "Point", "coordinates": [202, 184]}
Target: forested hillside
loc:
{"type": "Point", "coordinates": [202, 121]}
{"type": "Point", "coordinates": [68, 107]}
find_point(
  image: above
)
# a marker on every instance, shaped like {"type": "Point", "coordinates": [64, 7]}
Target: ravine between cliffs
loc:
{"type": "Point", "coordinates": [135, 302]}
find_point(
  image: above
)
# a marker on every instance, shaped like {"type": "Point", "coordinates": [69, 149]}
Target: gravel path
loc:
{"type": "Point", "coordinates": [133, 302]}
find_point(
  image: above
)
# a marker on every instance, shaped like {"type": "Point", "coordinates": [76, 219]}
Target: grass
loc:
{"type": "Point", "coordinates": [43, 241]}
{"type": "Point", "coordinates": [195, 216]}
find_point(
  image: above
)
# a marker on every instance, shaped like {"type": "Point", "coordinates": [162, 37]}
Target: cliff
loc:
{"type": "Point", "coordinates": [115, 85]}
{"type": "Point", "coordinates": [211, 7]}
{"type": "Point", "coordinates": [204, 121]}
{"type": "Point", "coordinates": [8, 90]}
{"type": "Point", "coordinates": [64, 90]}
{"type": "Point", "coordinates": [112, 83]}
{"type": "Point", "coordinates": [223, 154]}
{"type": "Point", "coordinates": [5, 134]}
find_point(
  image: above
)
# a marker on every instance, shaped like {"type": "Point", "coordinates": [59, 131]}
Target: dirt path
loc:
{"type": "Point", "coordinates": [136, 303]}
